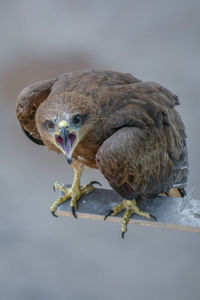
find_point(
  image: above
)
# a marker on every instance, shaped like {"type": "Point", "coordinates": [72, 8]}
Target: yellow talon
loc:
{"type": "Point", "coordinates": [58, 202]}
{"type": "Point", "coordinates": [75, 193]}
{"type": "Point", "coordinates": [131, 208]}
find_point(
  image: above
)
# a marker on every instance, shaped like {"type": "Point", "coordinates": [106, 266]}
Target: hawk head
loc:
{"type": "Point", "coordinates": [64, 119]}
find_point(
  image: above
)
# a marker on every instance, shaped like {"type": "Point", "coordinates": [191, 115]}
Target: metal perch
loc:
{"type": "Point", "coordinates": [175, 213]}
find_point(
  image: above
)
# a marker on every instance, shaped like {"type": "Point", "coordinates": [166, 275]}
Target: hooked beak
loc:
{"type": "Point", "coordinates": [64, 133]}
{"type": "Point", "coordinates": [66, 140]}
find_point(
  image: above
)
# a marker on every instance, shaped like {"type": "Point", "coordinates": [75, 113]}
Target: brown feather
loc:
{"type": "Point", "coordinates": [133, 133]}
{"type": "Point", "coordinates": [28, 102]}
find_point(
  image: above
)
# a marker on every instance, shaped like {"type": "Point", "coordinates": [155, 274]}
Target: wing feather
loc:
{"type": "Point", "coordinates": [28, 102]}
{"type": "Point", "coordinates": [137, 162]}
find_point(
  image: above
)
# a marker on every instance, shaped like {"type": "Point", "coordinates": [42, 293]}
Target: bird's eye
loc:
{"type": "Point", "coordinates": [50, 124]}
{"type": "Point", "coordinates": [76, 119]}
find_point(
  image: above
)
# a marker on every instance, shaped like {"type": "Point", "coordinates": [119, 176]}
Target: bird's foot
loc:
{"type": "Point", "coordinates": [130, 208]}
{"type": "Point", "coordinates": [75, 193]}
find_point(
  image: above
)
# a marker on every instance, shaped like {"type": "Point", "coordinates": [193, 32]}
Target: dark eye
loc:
{"type": "Point", "coordinates": [76, 119]}
{"type": "Point", "coordinates": [50, 124]}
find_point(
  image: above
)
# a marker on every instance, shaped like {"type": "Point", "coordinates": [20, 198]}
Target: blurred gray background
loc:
{"type": "Point", "coordinates": [42, 257]}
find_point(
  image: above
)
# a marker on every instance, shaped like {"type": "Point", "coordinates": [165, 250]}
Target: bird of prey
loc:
{"type": "Point", "coordinates": [127, 128]}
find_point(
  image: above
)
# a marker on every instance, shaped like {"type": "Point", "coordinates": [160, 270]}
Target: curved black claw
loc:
{"type": "Point", "coordinates": [54, 214]}
{"type": "Point", "coordinates": [95, 182]}
{"type": "Point", "coordinates": [154, 218]}
{"type": "Point", "coordinates": [110, 213]}
{"type": "Point", "coordinates": [123, 234]}
{"type": "Point", "coordinates": [74, 213]}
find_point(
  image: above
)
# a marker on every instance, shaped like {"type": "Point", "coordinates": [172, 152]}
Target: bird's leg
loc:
{"type": "Point", "coordinates": [130, 207]}
{"type": "Point", "coordinates": [75, 192]}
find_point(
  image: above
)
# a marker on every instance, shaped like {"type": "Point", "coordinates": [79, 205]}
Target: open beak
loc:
{"type": "Point", "coordinates": [66, 140]}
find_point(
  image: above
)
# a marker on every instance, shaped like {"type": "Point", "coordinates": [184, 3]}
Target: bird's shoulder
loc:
{"type": "Point", "coordinates": [88, 82]}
